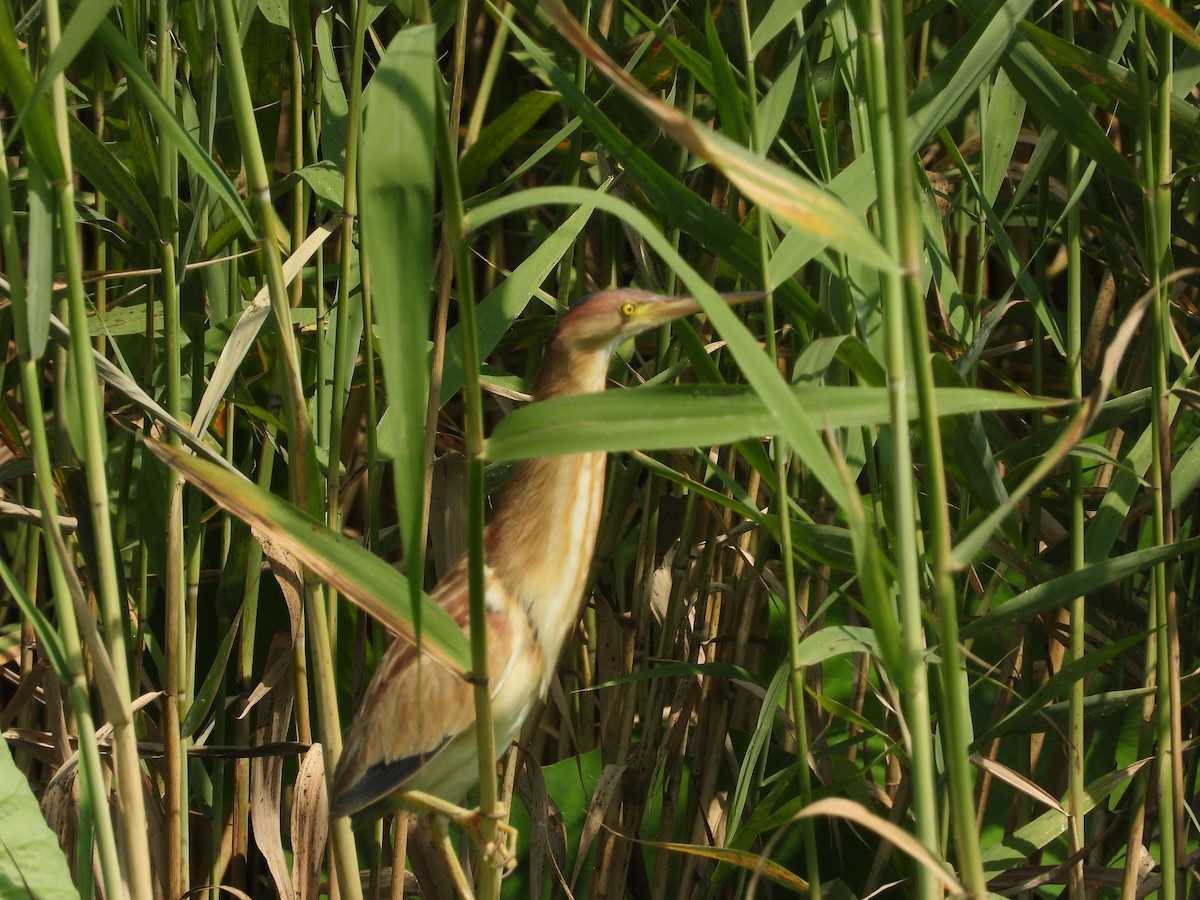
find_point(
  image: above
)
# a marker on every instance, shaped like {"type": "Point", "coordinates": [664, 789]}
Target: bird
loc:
{"type": "Point", "coordinates": [414, 734]}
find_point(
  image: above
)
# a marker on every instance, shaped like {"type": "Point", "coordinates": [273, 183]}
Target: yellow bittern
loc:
{"type": "Point", "coordinates": [415, 734]}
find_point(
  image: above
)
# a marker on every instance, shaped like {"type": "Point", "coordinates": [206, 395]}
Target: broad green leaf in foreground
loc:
{"type": "Point", "coordinates": [397, 207]}
{"type": "Point", "coordinates": [31, 863]}
{"type": "Point", "coordinates": [668, 416]}
{"type": "Point", "coordinates": [362, 577]}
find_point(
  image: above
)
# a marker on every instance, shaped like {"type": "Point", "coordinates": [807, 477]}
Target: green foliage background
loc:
{"type": "Point", "coordinates": [922, 620]}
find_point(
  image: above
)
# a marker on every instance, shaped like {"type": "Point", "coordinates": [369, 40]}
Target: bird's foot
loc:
{"type": "Point", "coordinates": [497, 844]}
{"type": "Point", "coordinates": [501, 849]}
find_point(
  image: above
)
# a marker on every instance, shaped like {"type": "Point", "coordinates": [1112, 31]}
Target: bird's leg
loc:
{"type": "Point", "coordinates": [441, 837]}
{"type": "Point", "coordinates": [500, 851]}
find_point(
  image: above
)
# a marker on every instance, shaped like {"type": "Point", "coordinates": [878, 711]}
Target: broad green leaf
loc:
{"type": "Point", "coordinates": [836, 640]}
{"type": "Point", "coordinates": [108, 175]}
{"type": "Point", "coordinates": [31, 863]}
{"type": "Point", "coordinates": [669, 416]}
{"type": "Point", "coordinates": [1053, 594]}
{"type": "Point", "coordinates": [397, 188]}
{"type": "Point", "coordinates": [275, 12]}
{"type": "Point", "coordinates": [32, 318]}
{"type": "Point", "coordinates": [209, 688]}
{"type": "Point", "coordinates": [358, 574]}
{"type": "Point", "coordinates": [17, 82]}
{"type": "Point", "coordinates": [731, 116]}
{"type": "Point", "coordinates": [125, 320]}
{"type": "Point", "coordinates": [327, 181]}
{"type": "Point", "coordinates": [1002, 128]}
{"type": "Point", "coordinates": [335, 109]}
{"type": "Point", "coordinates": [777, 16]}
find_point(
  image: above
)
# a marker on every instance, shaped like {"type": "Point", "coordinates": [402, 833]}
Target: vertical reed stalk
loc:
{"type": "Point", "coordinates": [301, 470]}
{"type": "Point", "coordinates": [488, 880]}
{"type": "Point", "coordinates": [892, 165]}
{"type": "Point", "coordinates": [176, 638]}
{"type": "Point", "coordinates": [341, 354]}
{"type": "Point", "coordinates": [1168, 701]}
{"type": "Point", "coordinates": [94, 793]}
{"type": "Point", "coordinates": [1076, 608]}
{"type": "Point", "coordinates": [781, 459]}
{"type": "Point", "coordinates": [129, 772]}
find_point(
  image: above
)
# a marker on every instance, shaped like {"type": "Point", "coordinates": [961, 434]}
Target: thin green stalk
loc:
{"type": "Point", "coordinates": [176, 638]}
{"type": "Point", "coordinates": [341, 352]}
{"type": "Point", "coordinates": [305, 488]}
{"type": "Point", "coordinates": [572, 270]}
{"type": "Point", "coordinates": [914, 679]}
{"type": "Point", "coordinates": [129, 771]}
{"type": "Point", "coordinates": [258, 181]}
{"type": "Point", "coordinates": [1075, 739]}
{"type": "Point", "coordinates": [371, 472]}
{"type": "Point", "coordinates": [955, 720]}
{"type": "Point", "coordinates": [487, 80]}
{"type": "Point", "coordinates": [1168, 705]}
{"type": "Point", "coordinates": [89, 752]}
{"type": "Point", "coordinates": [94, 787]}
{"type": "Point", "coordinates": [781, 459]}
{"type": "Point", "coordinates": [298, 17]}
{"type": "Point", "coordinates": [244, 667]}
{"type": "Point", "coordinates": [488, 881]}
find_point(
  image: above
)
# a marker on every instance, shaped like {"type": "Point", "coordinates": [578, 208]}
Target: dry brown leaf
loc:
{"type": "Point", "coordinates": [1018, 781]}
{"type": "Point", "coordinates": [266, 773]}
{"type": "Point", "coordinates": [547, 831]}
{"type": "Point", "coordinates": [743, 859]}
{"type": "Point", "coordinates": [287, 572]}
{"type": "Point", "coordinates": [608, 789]}
{"type": "Point", "coordinates": [310, 824]}
{"type": "Point", "coordinates": [278, 668]}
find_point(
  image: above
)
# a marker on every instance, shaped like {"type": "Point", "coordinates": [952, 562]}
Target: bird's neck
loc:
{"type": "Point", "coordinates": [543, 534]}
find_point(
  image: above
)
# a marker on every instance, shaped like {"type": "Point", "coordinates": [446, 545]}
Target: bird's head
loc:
{"type": "Point", "coordinates": [576, 359]}
{"type": "Point", "coordinates": [605, 319]}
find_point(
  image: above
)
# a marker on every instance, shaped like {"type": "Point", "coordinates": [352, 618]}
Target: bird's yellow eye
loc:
{"type": "Point", "coordinates": [628, 308]}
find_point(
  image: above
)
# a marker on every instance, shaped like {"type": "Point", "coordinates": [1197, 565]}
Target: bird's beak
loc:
{"type": "Point", "coordinates": [667, 309]}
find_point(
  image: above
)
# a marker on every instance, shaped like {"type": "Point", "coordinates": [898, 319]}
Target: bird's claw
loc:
{"type": "Point", "coordinates": [499, 851]}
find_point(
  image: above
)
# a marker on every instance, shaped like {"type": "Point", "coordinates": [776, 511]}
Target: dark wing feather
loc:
{"type": "Point", "coordinates": [367, 795]}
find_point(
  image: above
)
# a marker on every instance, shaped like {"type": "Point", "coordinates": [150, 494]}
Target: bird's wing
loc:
{"type": "Point", "coordinates": [413, 708]}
